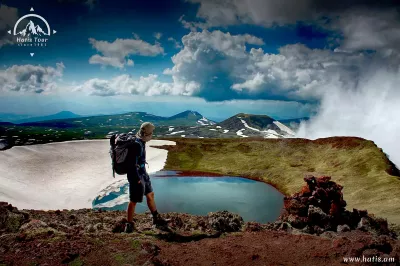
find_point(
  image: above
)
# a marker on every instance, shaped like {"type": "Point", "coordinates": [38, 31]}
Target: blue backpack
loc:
{"type": "Point", "coordinates": [119, 144]}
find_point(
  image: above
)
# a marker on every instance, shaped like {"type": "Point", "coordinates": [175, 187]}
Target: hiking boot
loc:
{"type": "Point", "coordinates": [129, 227]}
{"type": "Point", "coordinates": [159, 221]}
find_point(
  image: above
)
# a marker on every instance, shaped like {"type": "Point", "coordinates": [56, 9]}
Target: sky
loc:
{"type": "Point", "coordinates": [336, 61]}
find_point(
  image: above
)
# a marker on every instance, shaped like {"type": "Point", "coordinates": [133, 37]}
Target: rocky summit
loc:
{"type": "Point", "coordinates": [314, 228]}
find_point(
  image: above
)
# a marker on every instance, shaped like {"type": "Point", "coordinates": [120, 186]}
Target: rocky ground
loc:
{"type": "Point", "coordinates": [314, 229]}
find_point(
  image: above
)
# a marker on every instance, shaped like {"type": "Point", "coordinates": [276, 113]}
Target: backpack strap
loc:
{"type": "Point", "coordinates": [141, 149]}
{"type": "Point", "coordinates": [112, 151]}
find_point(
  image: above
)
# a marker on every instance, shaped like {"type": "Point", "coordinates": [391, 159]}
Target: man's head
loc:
{"type": "Point", "coordinates": [146, 131]}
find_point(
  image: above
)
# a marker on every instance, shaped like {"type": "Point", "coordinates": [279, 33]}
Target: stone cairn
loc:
{"type": "Point", "coordinates": [320, 207]}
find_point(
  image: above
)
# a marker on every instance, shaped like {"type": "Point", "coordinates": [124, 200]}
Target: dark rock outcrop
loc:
{"type": "Point", "coordinates": [10, 218]}
{"type": "Point", "coordinates": [320, 207]}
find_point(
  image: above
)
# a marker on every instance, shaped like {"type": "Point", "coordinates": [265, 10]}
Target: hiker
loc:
{"type": "Point", "coordinates": [139, 180]}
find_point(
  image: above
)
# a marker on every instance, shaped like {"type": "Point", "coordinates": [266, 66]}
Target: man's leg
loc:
{"type": "Point", "coordinates": [131, 211]}
{"type": "Point", "coordinates": [151, 203]}
{"type": "Point", "coordinates": [135, 195]}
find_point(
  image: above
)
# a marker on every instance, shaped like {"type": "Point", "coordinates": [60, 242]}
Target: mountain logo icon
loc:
{"type": "Point", "coordinates": [32, 30]}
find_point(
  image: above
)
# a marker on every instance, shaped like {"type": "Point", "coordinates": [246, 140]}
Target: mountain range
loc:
{"type": "Point", "coordinates": [66, 125]}
{"type": "Point", "coordinates": [59, 115]}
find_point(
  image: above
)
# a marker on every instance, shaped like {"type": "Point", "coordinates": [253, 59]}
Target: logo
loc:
{"type": "Point", "coordinates": [32, 30]}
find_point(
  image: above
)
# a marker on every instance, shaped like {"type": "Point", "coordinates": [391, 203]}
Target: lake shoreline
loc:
{"type": "Point", "coordinates": [189, 173]}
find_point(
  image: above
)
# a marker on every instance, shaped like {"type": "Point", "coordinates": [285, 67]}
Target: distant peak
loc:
{"type": "Point", "coordinates": [66, 112]}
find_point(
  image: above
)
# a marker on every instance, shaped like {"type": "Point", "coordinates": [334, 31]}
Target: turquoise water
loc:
{"type": "Point", "coordinates": [253, 200]}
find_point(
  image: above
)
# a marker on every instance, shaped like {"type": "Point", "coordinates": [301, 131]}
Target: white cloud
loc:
{"type": "Point", "coordinates": [175, 42]}
{"type": "Point", "coordinates": [126, 85]}
{"type": "Point", "coordinates": [108, 61]}
{"type": "Point", "coordinates": [116, 53]}
{"type": "Point", "coordinates": [207, 54]}
{"type": "Point", "coordinates": [296, 72]}
{"type": "Point", "coordinates": [30, 78]}
{"type": "Point", "coordinates": [157, 35]}
{"type": "Point", "coordinates": [8, 17]}
{"type": "Point", "coordinates": [253, 83]}
{"type": "Point", "coordinates": [300, 72]}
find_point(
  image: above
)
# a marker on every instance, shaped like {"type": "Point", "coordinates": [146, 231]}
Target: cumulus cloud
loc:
{"type": "Point", "coordinates": [126, 85]}
{"type": "Point", "coordinates": [8, 17]}
{"type": "Point", "coordinates": [226, 69]}
{"type": "Point", "coordinates": [108, 61]}
{"type": "Point", "coordinates": [302, 73]}
{"type": "Point", "coordinates": [211, 57]}
{"type": "Point", "coordinates": [116, 53]}
{"type": "Point", "coordinates": [30, 78]}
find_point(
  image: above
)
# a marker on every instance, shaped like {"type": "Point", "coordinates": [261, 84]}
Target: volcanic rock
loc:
{"type": "Point", "coordinates": [320, 207]}
{"type": "Point", "coordinates": [224, 221]}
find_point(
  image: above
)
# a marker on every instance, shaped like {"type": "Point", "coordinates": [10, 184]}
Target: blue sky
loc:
{"type": "Point", "coordinates": [169, 56]}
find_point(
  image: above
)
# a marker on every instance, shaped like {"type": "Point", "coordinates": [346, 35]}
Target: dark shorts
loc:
{"type": "Point", "coordinates": [137, 190]}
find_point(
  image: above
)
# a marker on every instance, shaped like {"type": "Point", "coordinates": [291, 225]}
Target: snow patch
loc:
{"type": "Point", "coordinates": [204, 121]}
{"type": "Point", "coordinates": [226, 130]}
{"type": "Point", "coordinates": [59, 178]}
{"type": "Point", "coordinates": [177, 132]}
{"type": "Point", "coordinates": [249, 127]}
{"type": "Point", "coordinates": [271, 136]}
{"type": "Point", "coordinates": [284, 128]}
{"type": "Point", "coordinates": [171, 129]}
{"type": "Point", "coordinates": [240, 133]}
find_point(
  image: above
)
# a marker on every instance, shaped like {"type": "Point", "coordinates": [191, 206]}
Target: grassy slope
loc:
{"type": "Point", "coordinates": [357, 164]}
